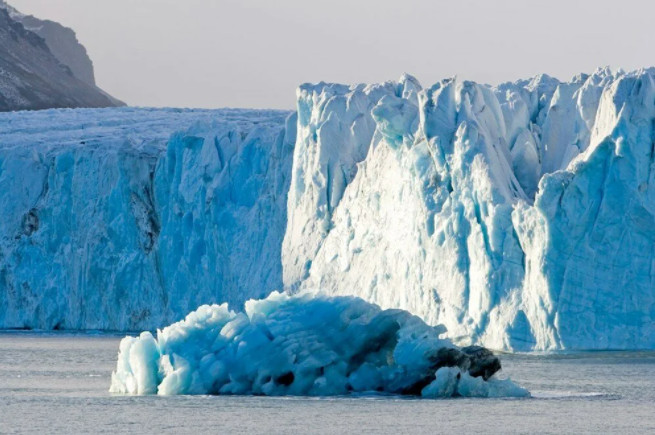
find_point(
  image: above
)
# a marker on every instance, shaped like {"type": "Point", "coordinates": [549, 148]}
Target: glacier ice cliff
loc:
{"type": "Point", "coordinates": [305, 345]}
{"type": "Point", "coordinates": [520, 216]}
{"type": "Point", "coordinates": [110, 224]}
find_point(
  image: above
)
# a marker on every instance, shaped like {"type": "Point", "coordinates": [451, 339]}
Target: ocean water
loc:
{"type": "Point", "coordinates": [58, 382]}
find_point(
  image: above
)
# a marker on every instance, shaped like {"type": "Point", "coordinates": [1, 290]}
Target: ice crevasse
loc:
{"type": "Point", "coordinates": [520, 216]}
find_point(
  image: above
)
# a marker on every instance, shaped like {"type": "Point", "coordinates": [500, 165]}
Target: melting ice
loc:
{"type": "Point", "coordinates": [305, 345]}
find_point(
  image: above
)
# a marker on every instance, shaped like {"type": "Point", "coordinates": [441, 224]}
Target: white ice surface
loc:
{"type": "Point", "coordinates": [521, 217]}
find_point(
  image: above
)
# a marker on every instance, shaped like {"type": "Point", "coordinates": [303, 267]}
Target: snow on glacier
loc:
{"type": "Point", "coordinates": [305, 345]}
{"type": "Point", "coordinates": [520, 216]}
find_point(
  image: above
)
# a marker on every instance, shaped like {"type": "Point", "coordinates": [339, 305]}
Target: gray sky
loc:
{"type": "Point", "coordinates": [254, 53]}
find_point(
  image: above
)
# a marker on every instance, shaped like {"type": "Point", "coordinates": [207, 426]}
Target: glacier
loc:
{"type": "Point", "coordinates": [112, 223]}
{"type": "Point", "coordinates": [520, 216]}
{"type": "Point", "coordinates": [305, 345]}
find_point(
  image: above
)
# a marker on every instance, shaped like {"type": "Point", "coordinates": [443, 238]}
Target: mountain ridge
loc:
{"type": "Point", "coordinates": [42, 66]}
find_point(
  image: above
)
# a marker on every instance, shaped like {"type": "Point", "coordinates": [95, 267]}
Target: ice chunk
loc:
{"type": "Point", "coordinates": [304, 345]}
{"type": "Point", "coordinates": [453, 382]}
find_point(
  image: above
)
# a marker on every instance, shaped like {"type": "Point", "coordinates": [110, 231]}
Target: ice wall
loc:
{"type": "Point", "coordinates": [108, 224]}
{"type": "Point", "coordinates": [591, 233]}
{"type": "Point", "coordinates": [520, 216]}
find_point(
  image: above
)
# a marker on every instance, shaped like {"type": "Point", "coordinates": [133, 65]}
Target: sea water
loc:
{"type": "Point", "coordinates": [58, 383]}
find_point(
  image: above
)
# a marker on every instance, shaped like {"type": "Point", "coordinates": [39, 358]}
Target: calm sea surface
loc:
{"type": "Point", "coordinates": [58, 382]}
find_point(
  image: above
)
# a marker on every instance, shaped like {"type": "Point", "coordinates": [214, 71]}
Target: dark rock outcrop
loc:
{"type": "Point", "coordinates": [63, 43]}
{"type": "Point", "coordinates": [483, 362]}
{"type": "Point", "coordinates": [476, 360]}
{"type": "Point", "coordinates": [43, 66]}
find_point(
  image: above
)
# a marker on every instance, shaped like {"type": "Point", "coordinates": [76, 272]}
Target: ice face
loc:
{"type": "Point", "coordinates": [110, 224]}
{"type": "Point", "coordinates": [304, 345]}
{"type": "Point", "coordinates": [520, 216]}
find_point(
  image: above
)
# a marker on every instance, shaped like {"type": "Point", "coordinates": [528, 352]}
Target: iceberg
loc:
{"type": "Point", "coordinates": [305, 345]}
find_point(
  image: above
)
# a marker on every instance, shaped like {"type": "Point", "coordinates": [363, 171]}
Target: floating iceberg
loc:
{"type": "Point", "coordinates": [305, 345]}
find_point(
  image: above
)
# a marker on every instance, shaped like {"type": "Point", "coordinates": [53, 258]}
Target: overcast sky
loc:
{"type": "Point", "coordinates": [254, 53]}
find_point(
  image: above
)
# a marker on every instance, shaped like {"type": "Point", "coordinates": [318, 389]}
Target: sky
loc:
{"type": "Point", "coordinates": [255, 53]}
